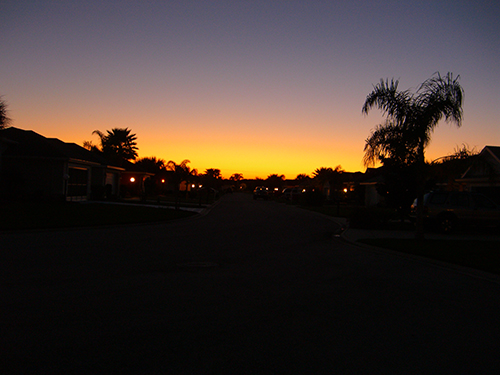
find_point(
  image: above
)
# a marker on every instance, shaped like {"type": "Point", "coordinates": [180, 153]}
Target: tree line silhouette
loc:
{"type": "Point", "coordinates": [120, 146]}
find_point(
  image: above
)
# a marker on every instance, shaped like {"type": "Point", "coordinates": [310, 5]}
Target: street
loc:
{"type": "Point", "coordinates": [251, 287]}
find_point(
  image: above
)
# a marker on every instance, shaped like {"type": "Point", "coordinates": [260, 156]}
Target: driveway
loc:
{"type": "Point", "coordinates": [252, 287]}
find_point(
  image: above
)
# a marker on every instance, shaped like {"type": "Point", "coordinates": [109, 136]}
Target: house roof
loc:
{"type": "Point", "coordinates": [372, 176]}
{"type": "Point", "coordinates": [28, 144]}
{"type": "Point", "coordinates": [494, 151]}
{"type": "Point", "coordinates": [486, 165]}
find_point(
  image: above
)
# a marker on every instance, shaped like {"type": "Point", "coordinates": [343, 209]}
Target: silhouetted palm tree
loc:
{"type": "Point", "coordinates": [151, 164]}
{"type": "Point", "coordinates": [322, 175]}
{"type": "Point", "coordinates": [212, 178]}
{"type": "Point", "coordinates": [181, 172]}
{"type": "Point", "coordinates": [275, 181]}
{"type": "Point", "coordinates": [331, 176]}
{"type": "Point", "coordinates": [118, 144]}
{"type": "Point", "coordinates": [390, 142]}
{"type": "Point", "coordinates": [236, 178]}
{"type": "Point", "coordinates": [411, 119]}
{"type": "Point", "coordinates": [302, 179]}
{"type": "Point", "coordinates": [91, 147]}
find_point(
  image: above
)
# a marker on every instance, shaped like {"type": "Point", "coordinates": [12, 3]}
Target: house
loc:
{"type": "Point", "coordinates": [369, 182]}
{"type": "Point", "coordinates": [39, 167]}
{"type": "Point", "coordinates": [134, 181]}
{"type": "Point", "coordinates": [483, 176]}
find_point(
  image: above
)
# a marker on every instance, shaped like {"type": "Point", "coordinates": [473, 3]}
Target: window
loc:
{"type": "Point", "coordinates": [77, 182]}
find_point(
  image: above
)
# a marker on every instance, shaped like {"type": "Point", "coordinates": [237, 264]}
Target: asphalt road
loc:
{"type": "Point", "coordinates": [252, 287]}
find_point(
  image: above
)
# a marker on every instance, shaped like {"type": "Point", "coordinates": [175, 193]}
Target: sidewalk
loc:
{"type": "Point", "coordinates": [354, 234]}
{"type": "Point", "coordinates": [166, 206]}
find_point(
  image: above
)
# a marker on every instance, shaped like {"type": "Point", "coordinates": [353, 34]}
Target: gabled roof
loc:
{"type": "Point", "coordinates": [494, 151]}
{"type": "Point", "coordinates": [28, 144]}
{"type": "Point", "coordinates": [486, 165]}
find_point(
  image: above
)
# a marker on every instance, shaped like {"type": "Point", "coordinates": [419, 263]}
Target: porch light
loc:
{"type": "Point", "coordinates": [132, 179]}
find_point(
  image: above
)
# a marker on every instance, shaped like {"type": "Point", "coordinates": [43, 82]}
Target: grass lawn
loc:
{"type": "Point", "coordinates": [44, 215]}
{"type": "Point", "coordinates": [481, 255]}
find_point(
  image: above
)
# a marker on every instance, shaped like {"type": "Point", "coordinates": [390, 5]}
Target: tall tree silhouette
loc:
{"type": "Point", "coordinates": [118, 144]}
{"type": "Point", "coordinates": [410, 120]}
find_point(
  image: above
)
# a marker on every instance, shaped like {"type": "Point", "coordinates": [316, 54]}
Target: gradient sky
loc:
{"type": "Point", "coordinates": [251, 87]}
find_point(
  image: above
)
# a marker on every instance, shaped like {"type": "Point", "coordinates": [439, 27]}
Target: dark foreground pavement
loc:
{"type": "Point", "coordinates": [250, 288]}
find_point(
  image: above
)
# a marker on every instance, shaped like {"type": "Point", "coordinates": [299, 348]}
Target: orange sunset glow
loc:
{"type": "Point", "coordinates": [245, 87]}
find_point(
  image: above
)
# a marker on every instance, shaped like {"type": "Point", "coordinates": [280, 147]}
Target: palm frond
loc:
{"type": "Point", "coordinates": [390, 141]}
{"type": "Point", "coordinates": [440, 97]}
{"type": "Point", "coordinates": [386, 97]}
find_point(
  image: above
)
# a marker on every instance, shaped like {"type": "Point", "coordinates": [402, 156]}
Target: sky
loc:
{"type": "Point", "coordinates": [250, 87]}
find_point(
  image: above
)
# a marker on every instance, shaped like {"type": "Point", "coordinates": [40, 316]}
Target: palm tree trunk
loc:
{"type": "Point", "coordinates": [419, 231]}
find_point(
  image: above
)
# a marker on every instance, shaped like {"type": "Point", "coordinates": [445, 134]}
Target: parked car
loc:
{"type": "Point", "coordinates": [447, 209]}
{"type": "Point", "coordinates": [292, 194]}
{"type": "Point", "coordinates": [261, 192]}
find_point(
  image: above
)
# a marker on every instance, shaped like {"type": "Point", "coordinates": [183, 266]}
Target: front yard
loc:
{"type": "Point", "coordinates": [483, 255]}
{"type": "Point", "coordinates": [49, 215]}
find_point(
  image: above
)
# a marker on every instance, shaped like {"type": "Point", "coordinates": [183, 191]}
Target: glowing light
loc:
{"type": "Point", "coordinates": [132, 179]}
{"type": "Point", "coordinates": [345, 190]}
{"type": "Point", "coordinates": [162, 180]}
